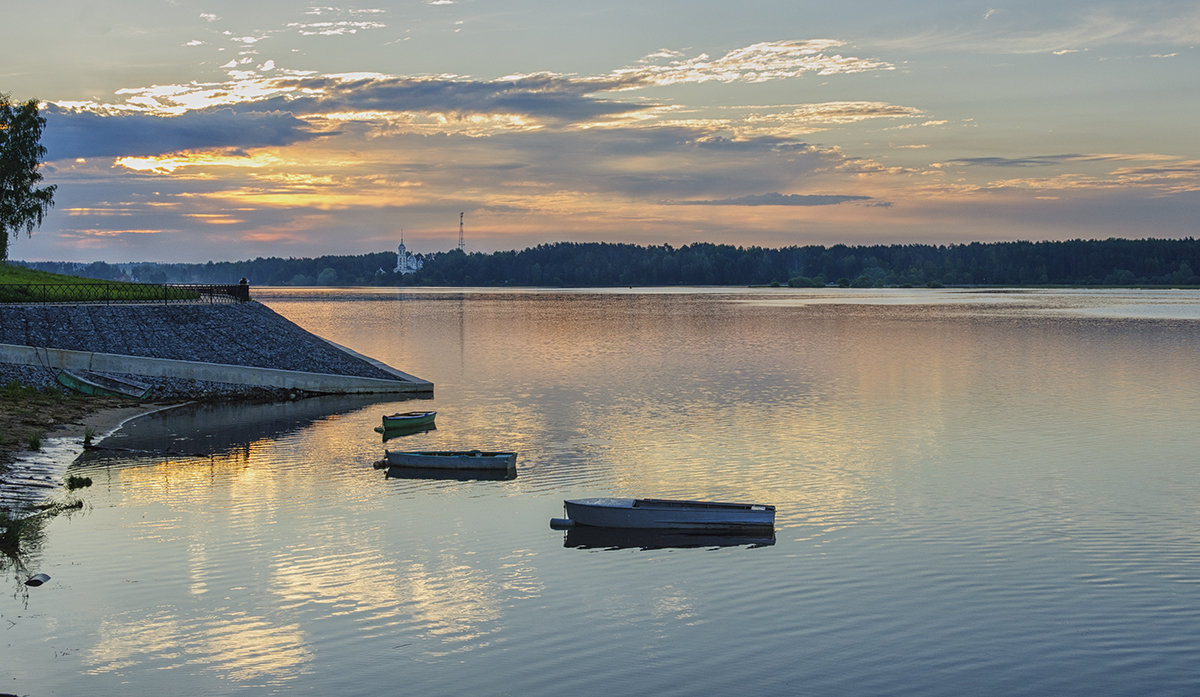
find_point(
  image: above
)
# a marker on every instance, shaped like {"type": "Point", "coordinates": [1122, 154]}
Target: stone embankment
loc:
{"type": "Point", "coordinates": [242, 334]}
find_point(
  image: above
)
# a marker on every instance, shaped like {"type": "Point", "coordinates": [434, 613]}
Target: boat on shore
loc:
{"type": "Point", "coordinates": [408, 420]}
{"type": "Point", "coordinates": [102, 385]}
{"type": "Point", "coordinates": [451, 459]}
{"type": "Point", "coordinates": [667, 514]}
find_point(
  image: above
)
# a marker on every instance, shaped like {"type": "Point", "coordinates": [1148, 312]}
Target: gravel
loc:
{"type": "Point", "coordinates": [248, 334]}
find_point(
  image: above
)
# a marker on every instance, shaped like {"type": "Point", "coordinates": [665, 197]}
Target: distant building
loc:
{"type": "Point", "coordinates": [406, 261]}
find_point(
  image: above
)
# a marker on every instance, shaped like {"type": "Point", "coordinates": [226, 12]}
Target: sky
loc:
{"type": "Point", "coordinates": [185, 131]}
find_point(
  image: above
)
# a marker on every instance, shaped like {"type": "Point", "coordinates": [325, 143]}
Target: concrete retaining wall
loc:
{"type": "Point", "coordinates": [245, 344]}
{"type": "Point", "coordinates": [57, 359]}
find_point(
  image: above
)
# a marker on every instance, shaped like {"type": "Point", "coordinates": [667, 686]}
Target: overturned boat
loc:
{"type": "Point", "coordinates": [99, 385]}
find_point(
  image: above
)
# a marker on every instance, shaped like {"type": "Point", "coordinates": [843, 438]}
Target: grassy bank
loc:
{"type": "Point", "coordinates": [20, 274]}
{"type": "Point", "coordinates": [19, 284]}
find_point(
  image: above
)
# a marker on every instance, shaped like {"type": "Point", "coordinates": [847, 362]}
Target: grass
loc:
{"type": "Point", "coordinates": [10, 273]}
{"type": "Point", "coordinates": [76, 482]}
{"type": "Point", "coordinates": [26, 414]}
{"type": "Point", "coordinates": [19, 284]}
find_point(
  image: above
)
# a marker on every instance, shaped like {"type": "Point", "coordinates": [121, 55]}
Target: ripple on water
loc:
{"type": "Point", "coordinates": [972, 498]}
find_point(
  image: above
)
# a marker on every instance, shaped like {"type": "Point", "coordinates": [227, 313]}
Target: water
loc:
{"type": "Point", "coordinates": [978, 493]}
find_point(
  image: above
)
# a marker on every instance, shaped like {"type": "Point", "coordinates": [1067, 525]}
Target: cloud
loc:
{"type": "Point", "coordinates": [1034, 161]}
{"type": "Point", "coordinates": [334, 28]}
{"type": "Point", "coordinates": [777, 199]}
{"type": "Point", "coordinates": [1114, 24]}
{"type": "Point", "coordinates": [1170, 178]}
{"type": "Point", "coordinates": [548, 97]}
{"type": "Point", "coordinates": [574, 98]}
{"type": "Point", "coordinates": [270, 106]}
{"type": "Point", "coordinates": [73, 134]}
{"type": "Point", "coordinates": [761, 62]}
{"type": "Point", "coordinates": [805, 119]}
{"type": "Point", "coordinates": [603, 151]}
{"type": "Point", "coordinates": [845, 112]}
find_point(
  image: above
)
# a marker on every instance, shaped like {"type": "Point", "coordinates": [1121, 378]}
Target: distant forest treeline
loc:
{"type": "Point", "coordinates": [1118, 262]}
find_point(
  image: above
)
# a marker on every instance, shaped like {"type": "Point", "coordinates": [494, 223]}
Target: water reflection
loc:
{"type": "Point", "coordinates": [583, 537]}
{"type": "Point", "coordinates": [450, 475]}
{"type": "Point", "coordinates": [237, 646]}
{"type": "Point", "coordinates": [202, 430]}
{"type": "Point", "coordinates": [954, 482]}
{"type": "Point", "coordinates": [401, 431]}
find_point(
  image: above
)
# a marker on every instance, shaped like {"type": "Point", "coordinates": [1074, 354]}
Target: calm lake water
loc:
{"type": "Point", "coordinates": [978, 493]}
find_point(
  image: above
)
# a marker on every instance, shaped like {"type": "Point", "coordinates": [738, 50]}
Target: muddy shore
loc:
{"type": "Point", "coordinates": [39, 416]}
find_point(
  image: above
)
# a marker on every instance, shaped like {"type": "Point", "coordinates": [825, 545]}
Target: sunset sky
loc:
{"type": "Point", "coordinates": [189, 131]}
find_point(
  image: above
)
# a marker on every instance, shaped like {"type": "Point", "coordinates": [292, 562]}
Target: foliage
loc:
{"type": "Point", "coordinates": [365, 269]}
{"type": "Point", "coordinates": [1111, 262]}
{"type": "Point", "coordinates": [75, 481]}
{"type": "Point", "coordinates": [22, 204]}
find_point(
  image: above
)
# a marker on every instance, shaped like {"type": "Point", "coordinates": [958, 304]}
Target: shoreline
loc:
{"type": "Point", "coordinates": [62, 420]}
{"type": "Point", "coordinates": [103, 422]}
{"type": "Point", "coordinates": [33, 477]}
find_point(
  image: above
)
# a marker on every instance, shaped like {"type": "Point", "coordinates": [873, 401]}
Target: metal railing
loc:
{"type": "Point", "coordinates": [117, 293]}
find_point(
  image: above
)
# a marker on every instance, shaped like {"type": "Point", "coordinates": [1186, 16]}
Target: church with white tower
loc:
{"type": "Point", "coordinates": [406, 261]}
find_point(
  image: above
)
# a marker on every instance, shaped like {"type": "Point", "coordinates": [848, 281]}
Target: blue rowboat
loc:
{"type": "Point", "coordinates": [451, 459]}
{"type": "Point", "coordinates": [666, 514]}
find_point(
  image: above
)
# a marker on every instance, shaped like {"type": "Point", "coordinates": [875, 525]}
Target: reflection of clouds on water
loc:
{"type": "Point", "coordinates": [248, 648]}
{"type": "Point", "coordinates": [454, 603]}
{"type": "Point", "coordinates": [518, 575]}
{"type": "Point", "coordinates": [133, 638]}
{"type": "Point", "coordinates": [236, 646]}
{"type": "Point", "coordinates": [1122, 303]}
{"type": "Point", "coordinates": [343, 581]}
{"type": "Point", "coordinates": [271, 492]}
{"type": "Point", "coordinates": [670, 603]}
{"type": "Point", "coordinates": [955, 467]}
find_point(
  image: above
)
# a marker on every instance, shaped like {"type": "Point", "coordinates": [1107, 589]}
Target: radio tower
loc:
{"type": "Point", "coordinates": [461, 244]}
